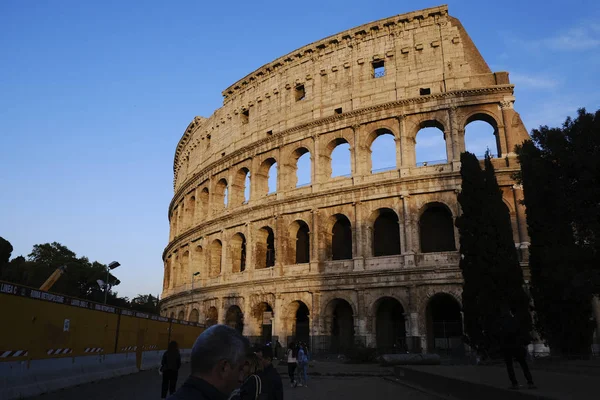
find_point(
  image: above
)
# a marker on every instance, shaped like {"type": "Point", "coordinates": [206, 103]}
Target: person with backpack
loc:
{"type": "Point", "coordinates": [292, 363]}
{"type": "Point", "coordinates": [169, 367]}
{"type": "Point", "coordinates": [302, 360]}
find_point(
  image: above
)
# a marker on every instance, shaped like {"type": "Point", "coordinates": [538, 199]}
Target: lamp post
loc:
{"type": "Point", "coordinates": [110, 266]}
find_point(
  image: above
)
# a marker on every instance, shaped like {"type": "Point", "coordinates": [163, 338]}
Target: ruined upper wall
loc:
{"type": "Point", "coordinates": [424, 49]}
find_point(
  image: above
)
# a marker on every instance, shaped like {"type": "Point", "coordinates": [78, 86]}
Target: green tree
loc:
{"type": "Point", "coordinates": [493, 279]}
{"type": "Point", "coordinates": [145, 303]}
{"type": "Point", "coordinates": [560, 173]}
{"type": "Point", "coordinates": [5, 251]}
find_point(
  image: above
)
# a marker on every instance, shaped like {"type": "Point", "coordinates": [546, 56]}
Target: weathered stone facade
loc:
{"type": "Point", "coordinates": [368, 257]}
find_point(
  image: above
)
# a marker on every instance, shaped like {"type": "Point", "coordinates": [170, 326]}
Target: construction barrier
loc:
{"type": "Point", "coordinates": [51, 341]}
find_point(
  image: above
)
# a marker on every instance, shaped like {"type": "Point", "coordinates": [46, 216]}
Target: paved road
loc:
{"type": "Point", "coordinates": [146, 385]}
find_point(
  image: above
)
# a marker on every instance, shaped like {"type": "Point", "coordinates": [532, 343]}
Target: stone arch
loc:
{"type": "Point", "coordinates": [198, 261]}
{"type": "Point", "coordinates": [191, 210]}
{"type": "Point", "coordinates": [237, 252]}
{"type": "Point", "coordinates": [430, 143]}
{"type": "Point", "coordinates": [479, 147]}
{"type": "Point", "coordinates": [212, 316]}
{"type": "Point", "coordinates": [339, 324]}
{"type": "Point", "coordinates": [181, 315]}
{"type": "Point", "coordinates": [204, 197]}
{"type": "Point", "coordinates": [216, 255]}
{"type": "Point", "coordinates": [172, 315]}
{"type": "Point", "coordinates": [390, 325]}
{"type": "Point", "coordinates": [184, 267]}
{"type": "Point", "coordinates": [297, 322]}
{"type": "Point", "coordinates": [174, 221]}
{"type": "Point", "coordinates": [220, 195]}
{"type": "Point", "coordinates": [385, 154]}
{"type": "Point", "coordinates": [338, 164]}
{"type": "Point", "coordinates": [265, 248]}
{"type": "Point", "coordinates": [443, 316]}
{"type": "Point", "coordinates": [263, 315]}
{"type": "Point", "coordinates": [194, 315]}
{"type": "Point", "coordinates": [385, 232]}
{"type": "Point", "coordinates": [340, 229]}
{"type": "Point", "coordinates": [436, 228]}
{"type": "Point", "coordinates": [235, 318]}
{"type": "Point", "coordinates": [167, 276]}
{"type": "Point", "coordinates": [240, 191]}
{"type": "Point", "coordinates": [298, 177]}
{"type": "Point", "coordinates": [299, 242]}
{"type": "Point", "coordinates": [175, 270]}
{"type": "Point", "coordinates": [262, 177]}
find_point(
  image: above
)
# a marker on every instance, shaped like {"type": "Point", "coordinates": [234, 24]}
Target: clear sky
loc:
{"type": "Point", "coordinates": [94, 96]}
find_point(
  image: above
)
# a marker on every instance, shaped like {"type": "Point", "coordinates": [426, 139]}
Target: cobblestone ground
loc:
{"type": "Point", "coordinates": [146, 385]}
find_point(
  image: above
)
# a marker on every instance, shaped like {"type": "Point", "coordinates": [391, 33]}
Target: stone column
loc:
{"type": "Point", "coordinates": [281, 175]}
{"type": "Point", "coordinates": [507, 112]}
{"type": "Point", "coordinates": [359, 152]}
{"type": "Point", "coordinates": [314, 165]}
{"type": "Point", "coordinates": [314, 242]}
{"type": "Point", "coordinates": [357, 238]}
{"type": "Point", "coordinates": [521, 221]}
{"type": "Point", "coordinates": [225, 265]}
{"type": "Point", "coordinates": [279, 248]}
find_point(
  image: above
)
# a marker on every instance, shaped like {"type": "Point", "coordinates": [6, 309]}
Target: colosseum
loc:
{"type": "Point", "coordinates": [268, 232]}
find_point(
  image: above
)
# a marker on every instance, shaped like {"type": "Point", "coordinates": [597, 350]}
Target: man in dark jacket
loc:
{"type": "Point", "coordinates": [217, 360]}
{"type": "Point", "coordinates": [513, 342]}
{"type": "Point", "coordinates": [272, 387]}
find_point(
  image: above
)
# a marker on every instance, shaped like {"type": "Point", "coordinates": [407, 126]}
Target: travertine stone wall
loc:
{"type": "Point", "coordinates": [311, 100]}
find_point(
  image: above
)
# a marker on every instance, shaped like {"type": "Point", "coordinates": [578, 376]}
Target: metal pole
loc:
{"type": "Point", "coordinates": [106, 285]}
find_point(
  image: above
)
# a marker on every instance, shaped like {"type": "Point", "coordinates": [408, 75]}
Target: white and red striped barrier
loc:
{"type": "Point", "coordinates": [129, 348]}
{"type": "Point", "coordinates": [94, 350]}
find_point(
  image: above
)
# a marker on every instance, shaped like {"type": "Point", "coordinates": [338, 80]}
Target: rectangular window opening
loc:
{"type": "Point", "coordinates": [245, 116]}
{"type": "Point", "coordinates": [378, 69]}
{"type": "Point", "coordinates": [338, 110]}
{"type": "Point", "coordinates": [424, 91]}
{"type": "Point", "coordinates": [300, 93]}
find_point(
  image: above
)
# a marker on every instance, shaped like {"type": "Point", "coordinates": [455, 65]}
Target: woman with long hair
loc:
{"type": "Point", "coordinates": [292, 352]}
{"type": "Point", "coordinates": [169, 367]}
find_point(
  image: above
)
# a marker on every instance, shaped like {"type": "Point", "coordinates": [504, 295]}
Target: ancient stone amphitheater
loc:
{"type": "Point", "coordinates": [365, 257]}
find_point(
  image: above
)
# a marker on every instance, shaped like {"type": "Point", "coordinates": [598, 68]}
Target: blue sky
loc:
{"type": "Point", "coordinates": [94, 96]}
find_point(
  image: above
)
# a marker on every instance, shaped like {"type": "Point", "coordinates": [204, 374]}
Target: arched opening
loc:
{"type": "Point", "coordinates": [220, 195]}
{"type": "Point", "coordinates": [298, 324]}
{"type": "Point", "coordinates": [194, 316]}
{"type": "Point", "coordinates": [386, 233]}
{"type": "Point", "coordinates": [383, 151]}
{"type": "Point", "coordinates": [204, 194]}
{"type": "Point", "coordinates": [390, 328]}
{"type": "Point", "coordinates": [299, 242]}
{"type": "Point", "coordinates": [341, 239]}
{"type": "Point", "coordinates": [198, 261]}
{"type": "Point", "coordinates": [265, 248]}
{"type": "Point", "coordinates": [481, 134]}
{"type": "Point", "coordinates": [444, 323]}
{"type": "Point", "coordinates": [237, 250]}
{"type": "Point", "coordinates": [430, 147]}
{"type": "Point", "coordinates": [266, 177]}
{"type": "Point", "coordinates": [263, 312]}
{"type": "Point", "coordinates": [216, 251]}
{"type": "Point", "coordinates": [175, 270]}
{"type": "Point", "coordinates": [302, 168]}
{"type": "Point", "coordinates": [212, 316]}
{"type": "Point", "coordinates": [340, 313]}
{"type": "Point", "coordinates": [191, 210]}
{"type": "Point", "coordinates": [174, 220]}
{"type": "Point", "coordinates": [181, 315]}
{"type": "Point", "coordinates": [172, 315]}
{"type": "Point", "coordinates": [341, 162]}
{"type": "Point", "coordinates": [184, 270]}
{"type": "Point", "coordinates": [235, 318]}
{"type": "Point", "coordinates": [240, 193]}
{"type": "Point", "coordinates": [436, 229]}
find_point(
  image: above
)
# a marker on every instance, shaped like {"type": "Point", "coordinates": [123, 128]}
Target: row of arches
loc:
{"type": "Point", "coordinates": [436, 234]}
{"type": "Point", "coordinates": [237, 189]}
{"type": "Point", "coordinates": [389, 327]}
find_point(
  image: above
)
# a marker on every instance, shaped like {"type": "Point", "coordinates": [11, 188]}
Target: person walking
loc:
{"type": "Point", "coordinates": [169, 367]}
{"type": "Point", "coordinates": [292, 363]}
{"type": "Point", "coordinates": [218, 361]}
{"type": "Point", "coordinates": [513, 341]}
{"type": "Point", "coordinates": [302, 360]}
{"type": "Point", "coordinates": [272, 387]}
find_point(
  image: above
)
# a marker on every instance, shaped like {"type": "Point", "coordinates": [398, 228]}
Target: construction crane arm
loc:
{"type": "Point", "coordinates": [53, 278]}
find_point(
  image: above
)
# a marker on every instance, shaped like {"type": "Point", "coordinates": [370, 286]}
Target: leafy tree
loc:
{"type": "Point", "coordinates": [560, 173]}
{"type": "Point", "coordinates": [5, 251]}
{"type": "Point", "coordinates": [145, 303]}
{"type": "Point", "coordinates": [493, 279]}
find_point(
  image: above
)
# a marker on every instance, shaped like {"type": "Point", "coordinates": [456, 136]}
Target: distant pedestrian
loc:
{"type": "Point", "coordinates": [272, 387]}
{"type": "Point", "coordinates": [302, 360]}
{"type": "Point", "coordinates": [218, 361]}
{"type": "Point", "coordinates": [292, 352]}
{"type": "Point", "coordinates": [513, 342]}
{"type": "Point", "coordinates": [169, 367]}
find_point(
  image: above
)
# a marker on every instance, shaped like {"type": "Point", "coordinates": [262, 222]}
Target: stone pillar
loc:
{"type": "Point", "coordinates": [407, 223]}
{"type": "Point", "coordinates": [279, 246]}
{"type": "Point", "coordinates": [359, 159]}
{"type": "Point", "coordinates": [314, 242]}
{"type": "Point", "coordinates": [358, 238]}
{"type": "Point", "coordinates": [521, 222]}
{"type": "Point", "coordinates": [314, 165]}
{"type": "Point", "coordinates": [449, 146]}
{"type": "Point", "coordinates": [281, 175]}
{"type": "Point", "coordinates": [507, 113]}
